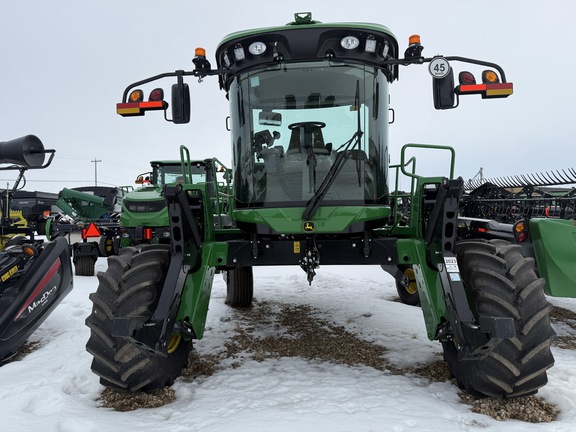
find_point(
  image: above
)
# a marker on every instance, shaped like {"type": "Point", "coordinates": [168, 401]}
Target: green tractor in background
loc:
{"type": "Point", "coordinates": [311, 183]}
{"type": "Point", "coordinates": [144, 216]}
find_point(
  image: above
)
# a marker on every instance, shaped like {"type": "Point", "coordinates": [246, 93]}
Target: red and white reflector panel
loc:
{"type": "Point", "coordinates": [139, 108]}
{"type": "Point", "coordinates": [486, 90]}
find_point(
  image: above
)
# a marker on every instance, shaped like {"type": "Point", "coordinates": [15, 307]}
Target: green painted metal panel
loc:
{"type": "Point", "coordinates": [198, 287]}
{"type": "Point", "coordinates": [326, 220]}
{"type": "Point", "coordinates": [147, 219]}
{"type": "Point", "coordinates": [554, 243]}
{"type": "Point", "coordinates": [413, 251]}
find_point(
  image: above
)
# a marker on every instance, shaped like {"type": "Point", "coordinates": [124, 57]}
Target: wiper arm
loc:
{"type": "Point", "coordinates": [318, 197]}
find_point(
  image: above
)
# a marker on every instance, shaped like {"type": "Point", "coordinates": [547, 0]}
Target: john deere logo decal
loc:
{"type": "Point", "coordinates": [308, 226]}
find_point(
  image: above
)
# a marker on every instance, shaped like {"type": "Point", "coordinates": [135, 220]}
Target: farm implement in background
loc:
{"type": "Point", "coordinates": [34, 275]}
{"type": "Point", "coordinates": [536, 211]}
{"type": "Point", "coordinates": [90, 220]}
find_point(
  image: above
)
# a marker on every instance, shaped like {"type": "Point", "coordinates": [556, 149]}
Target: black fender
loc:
{"type": "Point", "coordinates": [85, 248]}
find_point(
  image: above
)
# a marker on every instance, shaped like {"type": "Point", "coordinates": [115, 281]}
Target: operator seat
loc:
{"type": "Point", "coordinates": [307, 160]}
{"type": "Point", "coordinates": [305, 137]}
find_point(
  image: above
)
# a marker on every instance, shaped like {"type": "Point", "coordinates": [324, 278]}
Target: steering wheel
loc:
{"type": "Point", "coordinates": [309, 124]}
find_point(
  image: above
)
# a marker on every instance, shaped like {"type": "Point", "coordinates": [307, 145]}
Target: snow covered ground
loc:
{"type": "Point", "coordinates": [53, 389]}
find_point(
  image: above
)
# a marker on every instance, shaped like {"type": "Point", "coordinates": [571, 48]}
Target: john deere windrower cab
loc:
{"type": "Point", "coordinates": [309, 114]}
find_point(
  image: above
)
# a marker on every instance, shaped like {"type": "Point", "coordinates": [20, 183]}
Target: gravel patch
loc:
{"type": "Point", "coordinates": [126, 401]}
{"type": "Point", "coordinates": [561, 316]}
{"type": "Point", "coordinates": [271, 330]}
{"type": "Point", "coordinates": [529, 409]}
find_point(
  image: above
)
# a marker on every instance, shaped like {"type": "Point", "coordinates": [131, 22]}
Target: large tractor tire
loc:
{"type": "Point", "coordinates": [130, 287]}
{"type": "Point", "coordinates": [408, 294]}
{"type": "Point", "coordinates": [500, 282]}
{"type": "Point", "coordinates": [239, 287]}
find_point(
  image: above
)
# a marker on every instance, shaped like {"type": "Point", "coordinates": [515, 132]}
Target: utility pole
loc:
{"type": "Point", "coordinates": [95, 161]}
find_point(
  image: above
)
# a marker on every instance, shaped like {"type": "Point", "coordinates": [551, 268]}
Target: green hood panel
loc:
{"type": "Point", "coordinates": [150, 208]}
{"type": "Point", "coordinates": [145, 193]}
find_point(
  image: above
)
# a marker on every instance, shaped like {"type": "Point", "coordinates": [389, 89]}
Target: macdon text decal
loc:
{"type": "Point", "coordinates": [40, 302]}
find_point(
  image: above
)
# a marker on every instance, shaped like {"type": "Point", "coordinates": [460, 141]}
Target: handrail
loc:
{"type": "Point", "coordinates": [403, 164]}
{"type": "Point", "coordinates": [185, 164]}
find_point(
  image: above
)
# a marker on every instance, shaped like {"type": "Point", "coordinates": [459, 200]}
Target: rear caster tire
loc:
{"type": "Point", "coordinates": [130, 288]}
{"type": "Point", "coordinates": [408, 294]}
{"type": "Point", "coordinates": [84, 266]}
{"type": "Point", "coordinates": [239, 287]}
{"type": "Point", "coordinates": [500, 282]}
{"type": "Point", "coordinates": [106, 246]}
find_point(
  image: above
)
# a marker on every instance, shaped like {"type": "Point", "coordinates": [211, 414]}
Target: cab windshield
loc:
{"type": "Point", "coordinates": [292, 121]}
{"type": "Point", "coordinates": [166, 174]}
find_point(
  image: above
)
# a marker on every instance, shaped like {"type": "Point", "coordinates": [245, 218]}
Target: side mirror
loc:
{"type": "Point", "coordinates": [443, 90]}
{"type": "Point", "coordinates": [180, 102]}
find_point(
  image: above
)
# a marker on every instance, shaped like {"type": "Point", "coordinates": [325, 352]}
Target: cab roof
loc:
{"type": "Point", "coordinates": [306, 40]}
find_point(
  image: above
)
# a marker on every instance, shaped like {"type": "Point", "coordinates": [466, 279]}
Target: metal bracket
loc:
{"type": "Point", "coordinates": [366, 248]}
{"type": "Point", "coordinates": [481, 337]}
{"type": "Point", "coordinates": [254, 243]}
{"type": "Point", "coordinates": [311, 260]}
{"type": "Point", "coordinates": [153, 335]}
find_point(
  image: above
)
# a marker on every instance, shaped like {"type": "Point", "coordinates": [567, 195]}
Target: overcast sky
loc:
{"type": "Point", "coordinates": [65, 63]}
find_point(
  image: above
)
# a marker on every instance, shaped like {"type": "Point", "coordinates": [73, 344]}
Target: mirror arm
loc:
{"type": "Point", "coordinates": [201, 73]}
{"type": "Point", "coordinates": [178, 73]}
{"type": "Point", "coordinates": [421, 60]}
{"type": "Point", "coordinates": [479, 62]}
